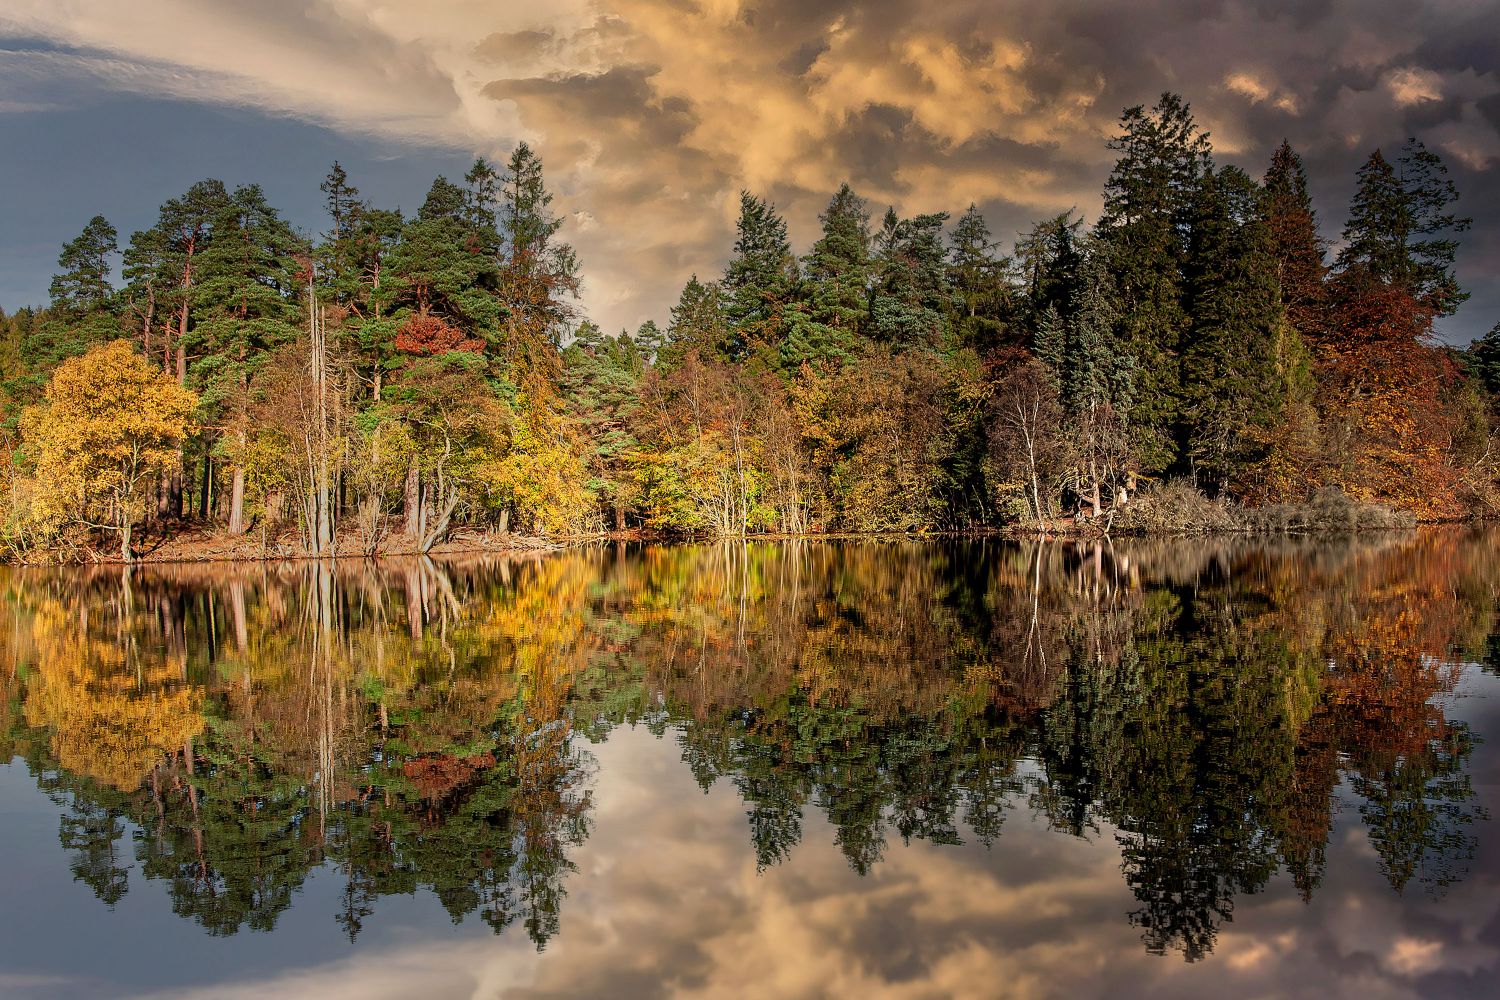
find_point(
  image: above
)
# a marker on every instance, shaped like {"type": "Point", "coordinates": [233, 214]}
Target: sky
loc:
{"type": "Point", "coordinates": [652, 115]}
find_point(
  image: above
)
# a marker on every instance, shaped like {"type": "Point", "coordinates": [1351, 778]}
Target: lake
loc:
{"type": "Point", "coordinates": [801, 769]}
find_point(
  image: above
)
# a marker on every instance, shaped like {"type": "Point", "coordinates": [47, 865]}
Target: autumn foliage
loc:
{"type": "Point", "coordinates": [425, 333]}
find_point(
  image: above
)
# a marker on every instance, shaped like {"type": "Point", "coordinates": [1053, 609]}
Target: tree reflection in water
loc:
{"type": "Point", "coordinates": [415, 726]}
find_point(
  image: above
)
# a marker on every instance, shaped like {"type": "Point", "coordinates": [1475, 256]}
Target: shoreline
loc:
{"type": "Point", "coordinates": [193, 548]}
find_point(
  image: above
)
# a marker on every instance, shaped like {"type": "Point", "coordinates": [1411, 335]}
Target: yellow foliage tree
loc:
{"type": "Point", "coordinates": [109, 425]}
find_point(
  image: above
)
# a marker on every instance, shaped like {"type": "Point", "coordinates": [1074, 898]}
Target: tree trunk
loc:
{"type": "Point", "coordinates": [413, 500]}
{"type": "Point", "coordinates": [441, 529]}
{"type": "Point", "coordinates": [205, 499]}
{"type": "Point", "coordinates": [125, 552]}
{"type": "Point", "coordinates": [237, 502]}
{"type": "Point", "coordinates": [1094, 499]}
{"type": "Point", "coordinates": [175, 485]}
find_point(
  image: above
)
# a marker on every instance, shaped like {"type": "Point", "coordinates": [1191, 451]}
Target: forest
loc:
{"type": "Point", "coordinates": [399, 379]}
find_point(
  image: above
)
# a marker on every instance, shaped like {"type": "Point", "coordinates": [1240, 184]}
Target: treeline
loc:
{"type": "Point", "coordinates": [412, 374]}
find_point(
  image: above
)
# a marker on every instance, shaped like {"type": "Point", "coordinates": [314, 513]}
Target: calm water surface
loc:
{"type": "Point", "coordinates": [863, 769]}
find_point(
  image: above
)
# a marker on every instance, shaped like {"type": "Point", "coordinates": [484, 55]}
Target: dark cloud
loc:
{"type": "Point", "coordinates": [652, 114]}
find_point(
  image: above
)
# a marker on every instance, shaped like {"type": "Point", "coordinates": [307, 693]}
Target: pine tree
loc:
{"type": "Point", "coordinates": [760, 278]}
{"type": "Point", "coordinates": [1228, 358]}
{"type": "Point", "coordinates": [1145, 228]}
{"type": "Point", "coordinates": [338, 254]}
{"type": "Point", "coordinates": [481, 202]}
{"type": "Point", "coordinates": [911, 287]}
{"type": "Point", "coordinates": [1097, 372]}
{"type": "Point", "coordinates": [1050, 343]}
{"type": "Point", "coordinates": [539, 278]}
{"type": "Point", "coordinates": [246, 301]}
{"type": "Point", "coordinates": [650, 339]}
{"type": "Point", "coordinates": [1295, 245]}
{"type": "Point", "coordinates": [1401, 228]}
{"type": "Point", "coordinates": [698, 323]}
{"type": "Point", "coordinates": [83, 285]}
{"type": "Point", "coordinates": [445, 200]}
{"type": "Point", "coordinates": [1049, 260]}
{"type": "Point", "coordinates": [1484, 360]}
{"type": "Point", "coordinates": [834, 298]}
{"type": "Point", "coordinates": [980, 278]}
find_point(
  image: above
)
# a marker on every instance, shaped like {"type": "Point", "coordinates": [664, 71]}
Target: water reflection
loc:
{"type": "Point", "coordinates": [221, 734]}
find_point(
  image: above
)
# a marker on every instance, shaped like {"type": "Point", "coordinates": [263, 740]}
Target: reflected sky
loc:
{"type": "Point", "coordinates": [666, 889]}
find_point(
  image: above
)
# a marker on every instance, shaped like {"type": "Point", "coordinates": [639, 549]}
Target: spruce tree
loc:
{"type": "Point", "coordinates": [835, 288]}
{"type": "Point", "coordinates": [760, 278]}
{"type": "Point", "coordinates": [1148, 208]}
{"type": "Point", "coordinates": [1229, 355]}
{"type": "Point", "coordinates": [980, 278]}
{"type": "Point", "coordinates": [911, 287]}
{"type": "Point", "coordinates": [539, 278]}
{"type": "Point", "coordinates": [1295, 246]}
{"type": "Point", "coordinates": [698, 323]}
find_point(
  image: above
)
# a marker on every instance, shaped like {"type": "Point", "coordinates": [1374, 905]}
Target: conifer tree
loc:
{"type": "Point", "coordinates": [247, 305]}
{"type": "Point", "coordinates": [83, 285]}
{"type": "Point", "coordinates": [698, 323]}
{"type": "Point", "coordinates": [649, 340]}
{"type": "Point", "coordinates": [445, 200]}
{"type": "Point", "coordinates": [760, 278]}
{"type": "Point", "coordinates": [338, 254]}
{"type": "Point", "coordinates": [834, 298]}
{"type": "Point", "coordinates": [980, 278]}
{"type": "Point", "coordinates": [539, 278]}
{"type": "Point", "coordinates": [911, 286]}
{"type": "Point", "coordinates": [1295, 246]}
{"type": "Point", "coordinates": [1401, 228]}
{"type": "Point", "coordinates": [1484, 360]}
{"type": "Point", "coordinates": [1228, 358]}
{"type": "Point", "coordinates": [1145, 228]}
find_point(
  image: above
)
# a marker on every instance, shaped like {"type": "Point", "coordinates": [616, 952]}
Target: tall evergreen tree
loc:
{"type": "Point", "coordinates": [445, 200]}
{"type": "Point", "coordinates": [760, 278]}
{"type": "Point", "coordinates": [1401, 229]}
{"type": "Point", "coordinates": [1228, 358]}
{"type": "Point", "coordinates": [338, 254]}
{"type": "Point", "coordinates": [481, 203]}
{"type": "Point", "coordinates": [698, 322]}
{"type": "Point", "coordinates": [835, 288]}
{"type": "Point", "coordinates": [1148, 208]}
{"type": "Point", "coordinates": [247, 305]}
{"type": "Point", "coordinates": [911, 288]}
{"type": "Point", "coordinates": [83, 285]}
{"type": "Point", "coordinates": [980, 278]}
{"type": "Point", "coordinates": [1295, 246]}
{"type": "Point", "coordinates": [539, 278]}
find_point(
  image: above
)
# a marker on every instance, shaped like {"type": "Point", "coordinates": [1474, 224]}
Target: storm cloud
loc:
{"type": "Point", "coordinates": [651, 115]}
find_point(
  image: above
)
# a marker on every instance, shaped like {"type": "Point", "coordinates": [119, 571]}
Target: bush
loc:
{"type": "Point", "coordinates": [1328, 510]}
{"type": "Point", "coordinates": [1176, 507]}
